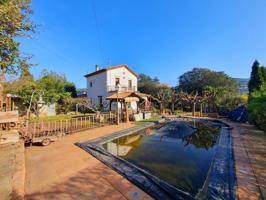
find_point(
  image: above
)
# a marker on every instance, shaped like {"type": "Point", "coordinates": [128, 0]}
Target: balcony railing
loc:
{"type": "Point", "coordinates": [121, 88]}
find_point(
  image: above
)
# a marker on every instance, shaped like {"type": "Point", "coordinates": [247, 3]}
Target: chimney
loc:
{"type": "Point", "coordinates": [97, 68]}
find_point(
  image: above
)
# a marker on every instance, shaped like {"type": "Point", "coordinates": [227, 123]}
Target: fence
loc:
{"type": "Point", "coordinates": [61, 127]}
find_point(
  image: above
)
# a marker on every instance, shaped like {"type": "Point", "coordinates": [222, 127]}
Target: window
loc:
{"type": "Point", "coordinates": [129, 84]}
{"type": "Point", "coordinates": [117, 81]}
{"type": "Point", "coordinates": [91, 83]}
{"type": "Point", "coordinates": [100, 100]}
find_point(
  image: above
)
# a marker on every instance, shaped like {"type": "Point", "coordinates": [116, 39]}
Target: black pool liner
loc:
{"type": "Point", "coordinates": [220, 182]}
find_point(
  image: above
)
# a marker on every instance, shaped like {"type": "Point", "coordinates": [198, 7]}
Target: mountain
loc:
{"type": "Point", "coordinates": [243, 85]}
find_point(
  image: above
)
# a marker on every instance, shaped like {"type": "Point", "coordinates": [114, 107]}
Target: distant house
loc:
{"type": "Point", "coordinates": [48, 110]}
{"type": "Point", "coordinates": [81, 92]}
{"type": "Point", "coordinates": [104, 82]}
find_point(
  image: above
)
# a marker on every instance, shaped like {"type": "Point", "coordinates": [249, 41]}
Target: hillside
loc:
{"type": "Point", "coordinates": [243, 85]}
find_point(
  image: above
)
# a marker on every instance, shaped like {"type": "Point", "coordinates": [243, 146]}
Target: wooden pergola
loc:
{"type": "Point", "coordinates": [123, 98]}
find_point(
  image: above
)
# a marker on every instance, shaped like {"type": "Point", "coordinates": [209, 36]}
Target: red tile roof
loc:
{"type": "Point", "coordinates": [111, 68]}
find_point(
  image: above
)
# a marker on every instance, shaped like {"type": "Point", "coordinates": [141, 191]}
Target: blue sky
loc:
{"type": "Point", "coordinates": [162, 38]}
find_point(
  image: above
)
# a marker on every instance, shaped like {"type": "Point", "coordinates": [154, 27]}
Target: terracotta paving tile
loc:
{"type": "Point", "coordinates": [84, 195]}
{"type": "Point", "coordinates": [134, 193]}
{"type": "Point", "coordinates": [250, 157]}
{"type": "Point", "coordinates": [64, 171]}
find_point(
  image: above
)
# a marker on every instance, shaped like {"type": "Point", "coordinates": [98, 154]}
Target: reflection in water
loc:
{"type": "Point", "coordinates": [179, 153]}
{"type": "Point", "coordinates": [204, 136]}
{"type": "Point", "coordinates": [122, 146]}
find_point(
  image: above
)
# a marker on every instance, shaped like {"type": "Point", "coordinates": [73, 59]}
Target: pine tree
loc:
{"type": "Point", "coordinates": [256, 77]}
{"type": "Point", "coordinates": [263, 69]}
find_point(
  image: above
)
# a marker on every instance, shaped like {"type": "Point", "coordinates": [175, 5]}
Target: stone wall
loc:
{"type": "Point", "coordinates": [12, 170]}
{"type": "Point", "coordinates": [141, 116]}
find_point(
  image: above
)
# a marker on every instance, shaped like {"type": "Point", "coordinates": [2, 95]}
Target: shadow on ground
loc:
{"type": "Point", "coordinates": [95, 182]}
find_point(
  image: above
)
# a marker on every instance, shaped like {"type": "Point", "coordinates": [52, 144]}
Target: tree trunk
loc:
{"type": "Point", "coordinates": [194, 108]}
{"type": "Point", "coordinates": [2, 86]}
{"type": "Point", "coordinates": [173, 107]}
{"type": "Point", "coordinates": [201, 110]}
{"type": "Point", "coordinates": [161, 108]}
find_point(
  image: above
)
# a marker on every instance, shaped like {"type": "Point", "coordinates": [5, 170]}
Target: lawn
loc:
{"type": "Point", "coordinates": [152, 119]}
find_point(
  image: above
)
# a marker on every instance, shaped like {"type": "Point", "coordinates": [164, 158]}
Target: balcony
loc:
{"type": "Point", "coordinates": [113, 88]}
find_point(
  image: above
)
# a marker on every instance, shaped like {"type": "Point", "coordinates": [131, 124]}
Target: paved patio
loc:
{"type": "Point", "coordinates": [250, 161]}
{"type": "Point", "coordinates": [64, 171]}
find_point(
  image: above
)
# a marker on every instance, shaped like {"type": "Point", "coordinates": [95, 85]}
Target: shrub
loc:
{"type": "Point", "coordinates": [179, 113]}
{"type": "Point", "coordinates": [257, 108]}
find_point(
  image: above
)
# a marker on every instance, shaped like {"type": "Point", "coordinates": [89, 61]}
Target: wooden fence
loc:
{"type": "Point", "coordinates": [61, 127]}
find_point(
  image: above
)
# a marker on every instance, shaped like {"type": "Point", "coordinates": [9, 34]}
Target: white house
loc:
{"type": "Point", "coordinates": [103, 83]}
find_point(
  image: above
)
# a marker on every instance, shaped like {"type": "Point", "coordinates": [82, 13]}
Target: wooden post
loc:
{"type": "Point", "coordinates": [126, 113]}
{"type": "Point", "coordinates": [34, 129]}
{"type": "Point", "coordinates": [110, 105]}
{"type": "Point", "coordinates": [110, 117]}
{"type": "Point", "coordinates": [8, 103]}
{"type": "Point", "coordinates": [201, 110]}
{"type": "Point", "coordinates": [49, 126]}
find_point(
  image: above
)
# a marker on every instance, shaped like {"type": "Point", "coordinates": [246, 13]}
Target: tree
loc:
{"type": "Point", "coordinates": [256, 77]}
{"type": "Point", "coordinates": [185, 98]}
{"type": "Point", "coordinates": [208, 96]}
{"type": "Point", "coordinates": [263, 69]}
{"type": "Point", "coordinates": [173, 99]}
{"type": "Point", "coordinates": [148, 85]}
{"type": "Point", "coordinates": [53, 85]}
{"type": "Point", "coordinates": [71, 88]}
{"type": "Point", "coordinates": [164, 95]}
{"type": "Point", "coordinates": [200, 78]}
{"type": "Point", "coordinates": [24, 88]}
{"type": "Point", "coordinates": [257, 96]}
{"type": "Point", "coordinates": [257, 107]}
{"type": "Point", "coordinates": [14, 23]}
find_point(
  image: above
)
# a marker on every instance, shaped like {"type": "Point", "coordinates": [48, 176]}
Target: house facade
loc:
{"type": "Point", "coordinates": [105, 82]}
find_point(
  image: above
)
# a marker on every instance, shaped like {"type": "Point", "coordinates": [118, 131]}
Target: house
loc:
{"type": "Point", "coordinates": [115, 79]}
{"type": "Point", "coordinates": [116, 87]}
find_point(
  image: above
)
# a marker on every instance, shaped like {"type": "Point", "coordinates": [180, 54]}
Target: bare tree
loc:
{"type": "Point", "coordinates": [85, 104]}
{"type": "Point", "coordinates": [163, 95]}
{"type": "Point", "coordinates": [194, 99]}
{"type": "Point", "coordinates": [174, 99]}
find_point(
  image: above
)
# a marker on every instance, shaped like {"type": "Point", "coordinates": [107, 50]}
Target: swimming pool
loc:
{"type": "Point", "coordinates": [174, 160]}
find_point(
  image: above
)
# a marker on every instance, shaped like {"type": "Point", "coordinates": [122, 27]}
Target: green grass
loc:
{"type": "Point", "coordinates": [152, 119]}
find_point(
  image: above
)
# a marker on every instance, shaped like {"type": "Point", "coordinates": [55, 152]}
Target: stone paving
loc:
{"type": "Point", "coordinates": [250, 161]}
{"type": "Point", "coordinates": [65, 171]}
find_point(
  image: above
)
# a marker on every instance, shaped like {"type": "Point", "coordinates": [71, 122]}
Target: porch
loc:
{"type": "Point", "coordinates": [130, 103]}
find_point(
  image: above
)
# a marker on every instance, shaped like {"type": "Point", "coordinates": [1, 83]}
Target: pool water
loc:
{"type": "Point", "coordinates": [179, 153]}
